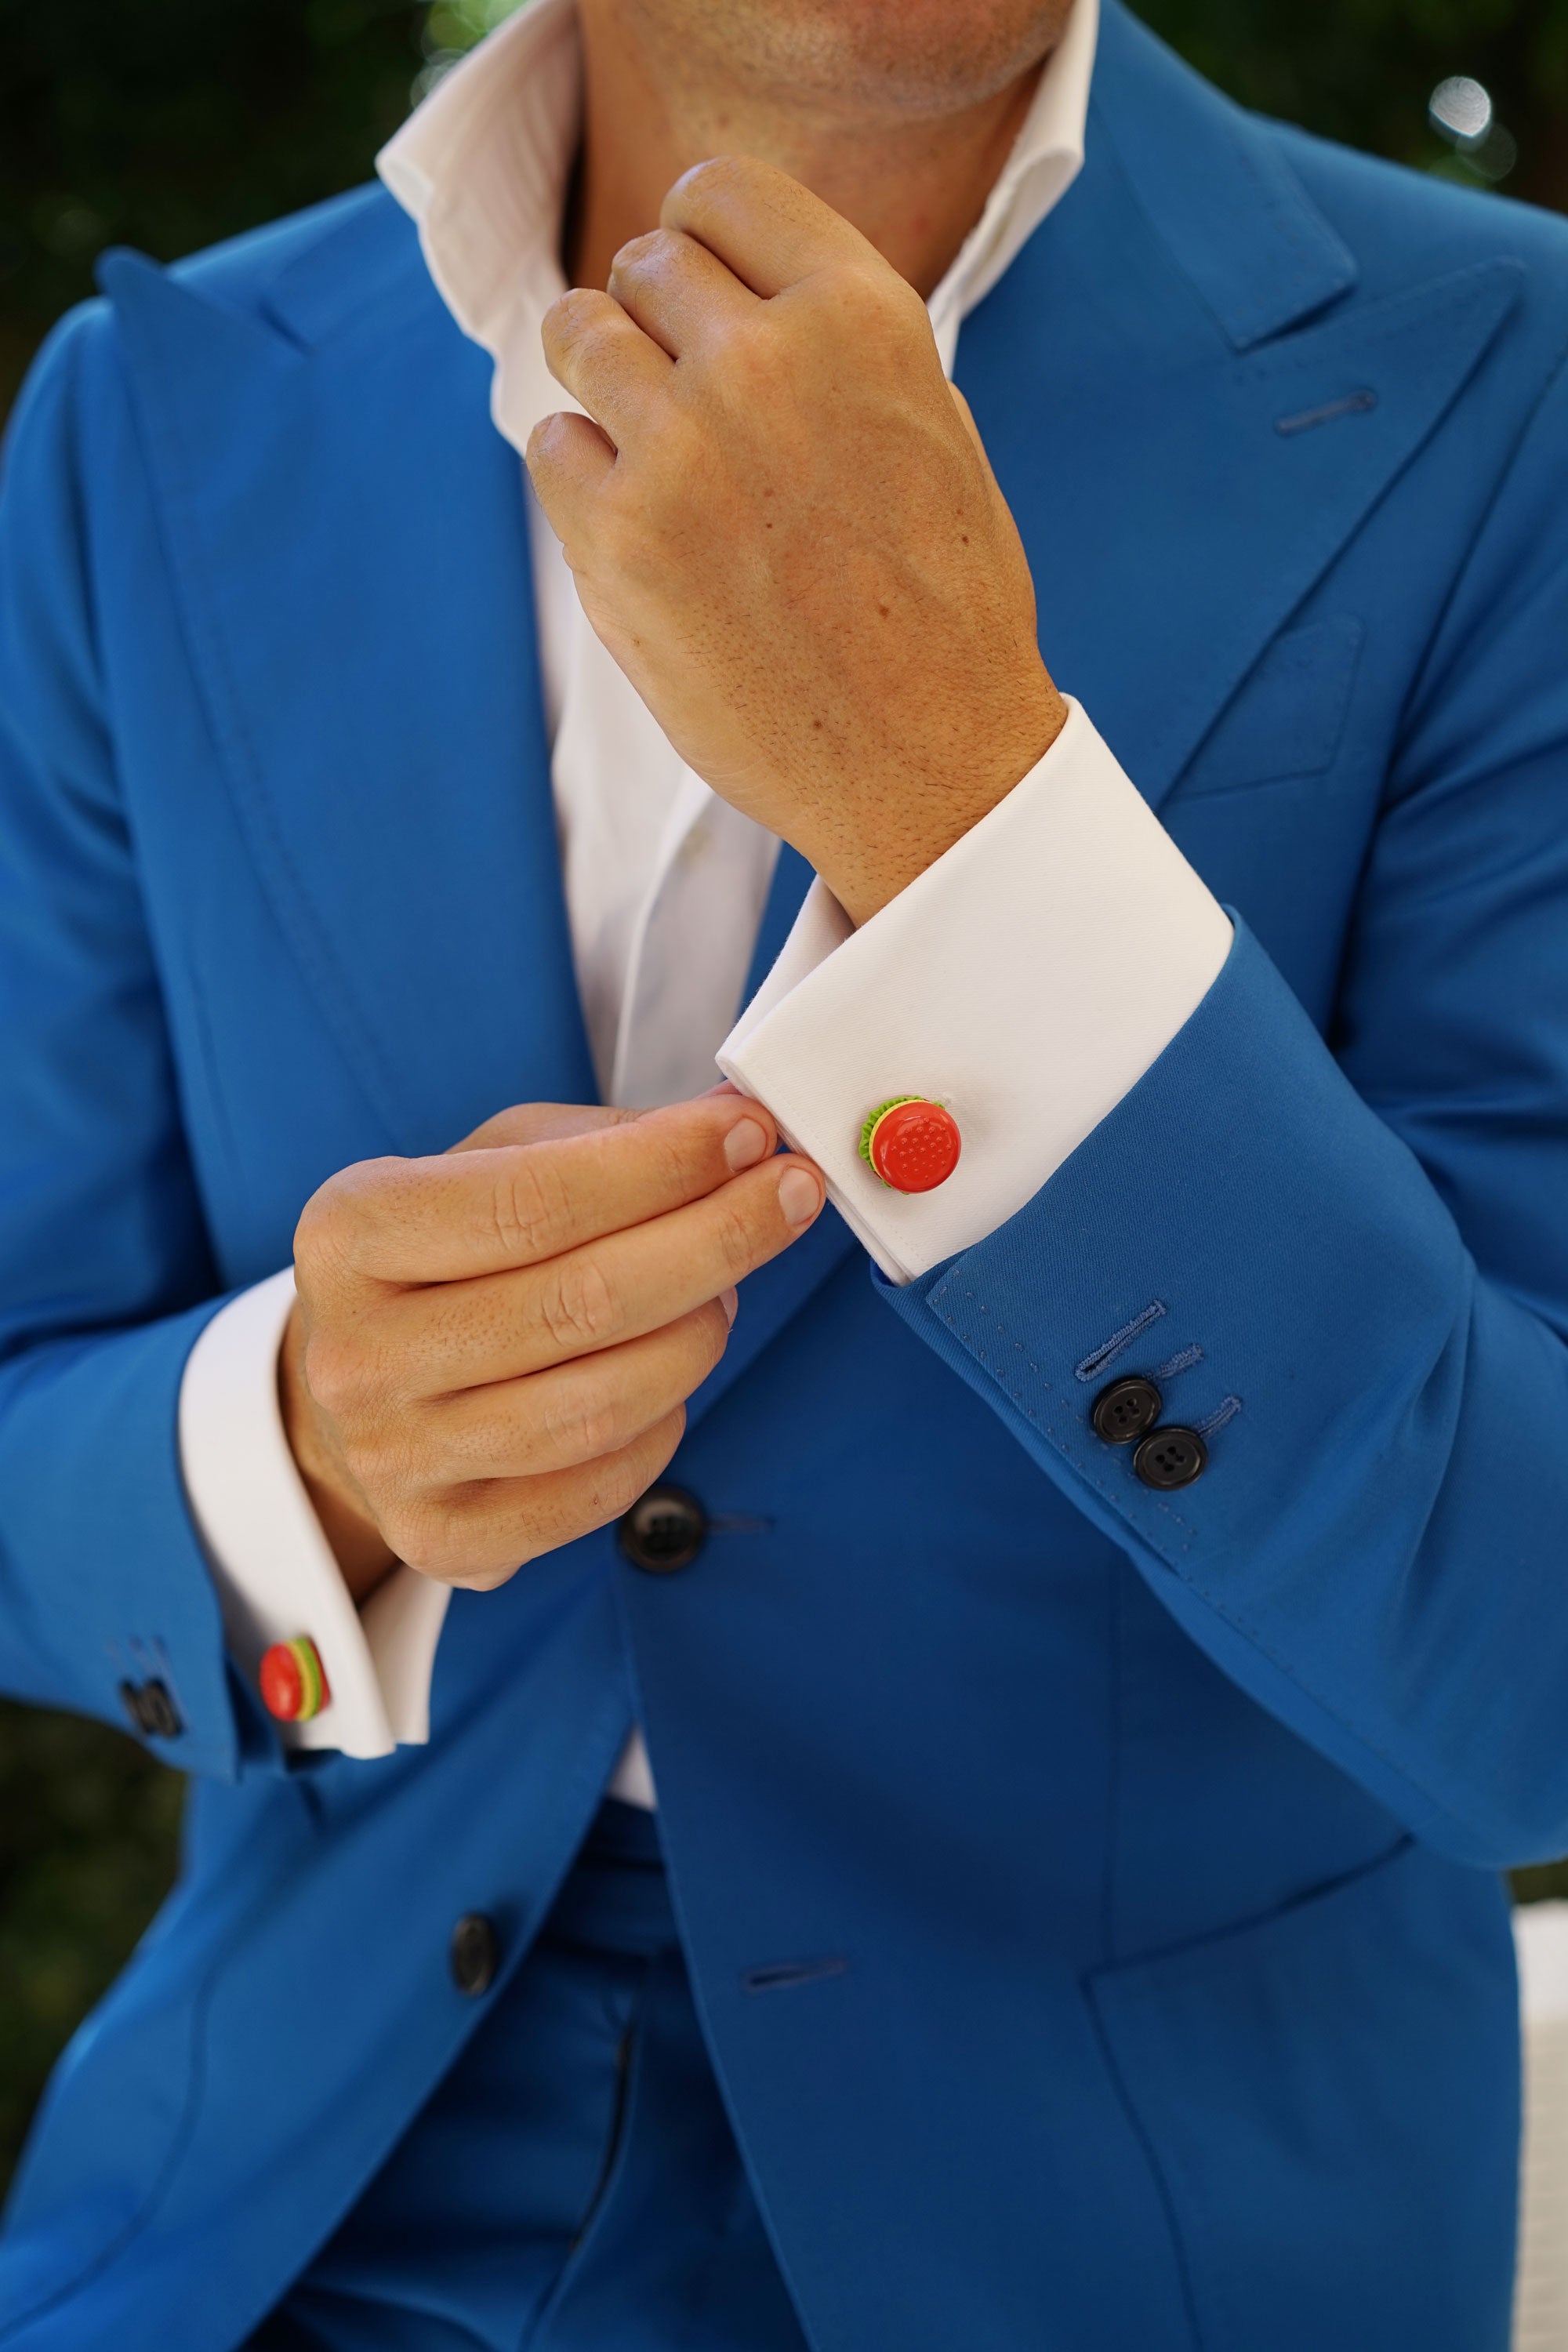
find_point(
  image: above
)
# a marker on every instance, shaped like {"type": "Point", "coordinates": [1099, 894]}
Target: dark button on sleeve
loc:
{"type": "Point", "coordinates": [475, 1954]}
{"type": "Point", "coordinates": [1170, 1457]}
{"type": "Point", "coordinates": [665, 1529]}
{"type": "Point", "coordinates": [1125, 1410]}
{"type": "Point", "coordinates": [152, 1710]}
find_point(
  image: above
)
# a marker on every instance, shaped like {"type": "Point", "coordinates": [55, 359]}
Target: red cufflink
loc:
{"type": "Point", "coordinates": [294, 1686]}
{"type": "Point", "coordinates": [910, 1143]}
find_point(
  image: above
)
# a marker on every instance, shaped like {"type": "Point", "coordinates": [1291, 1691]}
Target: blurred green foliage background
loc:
{"type": "Point", "coordinates": [167, 124]}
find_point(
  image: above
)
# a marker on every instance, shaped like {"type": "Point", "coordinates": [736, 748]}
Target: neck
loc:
{"type": "Point", "coordinates": [912, 180]}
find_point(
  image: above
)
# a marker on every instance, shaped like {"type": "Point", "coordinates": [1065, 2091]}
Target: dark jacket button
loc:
{"type": "Point", "coordinates": [152, 1710]}
{"type": "Point", "coordinates": [476, 1954]}
{"type": "Point", "coordinates": [163, 1717]}
{"type": "Point", "coordinates": [1170, 1457]}
{"type": "Point", "coordinates": [1125, 1410]}
{"type": "Point", "coordinates": [665, 1529]}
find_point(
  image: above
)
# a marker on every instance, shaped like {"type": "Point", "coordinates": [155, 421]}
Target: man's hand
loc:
{"type": "Point", "coordinates": [783, 525]}
{"type": "Point", "coordinates": [492, 1350]}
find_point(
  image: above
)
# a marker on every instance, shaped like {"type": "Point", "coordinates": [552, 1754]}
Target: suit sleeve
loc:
{"type": "Point", "coordinates": [1345, 1261]}
{"type": "Point", "coordinates": [106, 1277]}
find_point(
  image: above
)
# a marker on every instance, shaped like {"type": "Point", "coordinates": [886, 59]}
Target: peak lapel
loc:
{"type": "Point", "coordinates": [1215, 188]}
{"type": "Point", "coordinates": [348, 537]}
{"type": "Point", "coordinates": [1189, 408]}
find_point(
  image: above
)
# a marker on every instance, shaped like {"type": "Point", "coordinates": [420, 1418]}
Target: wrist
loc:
{"type": "Point", "coordinates": [900, 833]}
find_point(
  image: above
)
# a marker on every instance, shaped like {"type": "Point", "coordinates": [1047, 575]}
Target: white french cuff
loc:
{"type": "Point", "coordinates": [1026, 981]}
{"type": "Point", "coordinates": [274, 1570]}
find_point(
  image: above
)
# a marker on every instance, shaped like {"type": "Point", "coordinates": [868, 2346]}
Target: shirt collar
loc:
{"type": "Point", "coordinates": [482, 167]}
{"type": "Point", "coordinates": [1046, 158]}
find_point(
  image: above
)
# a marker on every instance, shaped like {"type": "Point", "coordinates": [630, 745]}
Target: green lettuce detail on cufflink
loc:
{"type": "Point", "coordinates": [870, 1128]}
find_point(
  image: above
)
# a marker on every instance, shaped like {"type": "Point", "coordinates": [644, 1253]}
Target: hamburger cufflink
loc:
{"type": "Point", "coordinates": [293, 1682]}
{"type": "Point", "coordinates": [910, 1143]}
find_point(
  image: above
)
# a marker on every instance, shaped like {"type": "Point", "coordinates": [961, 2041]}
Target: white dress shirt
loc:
{"type": "Point", "coordinates": [1067, 878]}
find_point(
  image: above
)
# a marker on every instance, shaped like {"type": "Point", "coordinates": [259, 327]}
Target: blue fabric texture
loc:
{"type": "Point", "coordinates": [1089, 1896]}
{"type": "Point", "coordinates": [620, 2216]}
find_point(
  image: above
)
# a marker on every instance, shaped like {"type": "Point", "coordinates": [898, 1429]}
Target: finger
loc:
{"type": "Point", "coordinates": [502, 1327]}
{"type": "Point", "coordinates": [542, 1123]}
{"type": "Point", "coordinates": [679, 293]}
{"type": "Point", "coordinates": [477, 1213]}
{"type": "Point", "coordinates": [574, 1413]}
{"type": "Point", "coordinates": [764, 226]}
{"type": "Point", "coordinates": [568, 458]}
{"type": "Point", "coordinates": [478, 1534]}
{"type": "Point", "coordinates": [605, 360]}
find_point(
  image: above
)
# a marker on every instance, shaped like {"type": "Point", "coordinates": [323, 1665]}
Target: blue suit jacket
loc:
{"type": "Point", "coordinates": [1091, 1893]}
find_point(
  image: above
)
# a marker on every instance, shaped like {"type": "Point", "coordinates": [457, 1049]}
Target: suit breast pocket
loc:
{"type": "Point", "coordinates": [1330, 2097]}
{"type": "Point", "coordinates": [1287, 719]}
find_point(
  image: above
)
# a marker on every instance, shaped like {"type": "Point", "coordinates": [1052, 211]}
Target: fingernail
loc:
{"type": "Point", "coordinates": [730, 1300]}
{"type": "Point", "coordinates": [800, 1196]}
{"type": "Point", "coordinates": [746, 1143]}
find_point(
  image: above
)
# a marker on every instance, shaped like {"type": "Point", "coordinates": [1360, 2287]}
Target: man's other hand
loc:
{"type": "Point", "coordinates": [784, 525]}
{"type": "Point", "coordinates": [492, 1350]}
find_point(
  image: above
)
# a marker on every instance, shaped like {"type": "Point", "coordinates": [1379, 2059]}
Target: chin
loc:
{"type": "Point", "coordinates": [903, 54]}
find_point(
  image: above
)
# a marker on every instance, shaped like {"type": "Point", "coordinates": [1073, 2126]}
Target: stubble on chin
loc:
{"type": "Point", "coordinates": [893, 58]}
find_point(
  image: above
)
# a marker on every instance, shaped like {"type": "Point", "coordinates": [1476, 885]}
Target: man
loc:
{"type": "Point", "coordinates": [1092, 1662]}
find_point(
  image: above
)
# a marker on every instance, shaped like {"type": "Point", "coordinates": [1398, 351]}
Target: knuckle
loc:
{"type": "Point", "coordinates": [443, 1535]}
{"type": "Point", "coordinates": [642, 255]}
{"type": "Point", "coordinates": [412, 1531]}
{"type": "Point", "coordinates": [571, 316]}
{"type": "Point", "coordinates": [578, 1305]}
{"type": "Point", "coordinates": [626, 1474]}
{"type": "Point", "coordinates": [895, 328]}
{"type": "Point", "coordinates": [737, 1236]}
{"type": "Point", "coordinates": [334, 1372]}
{"type": "Point", "coordinates": [366, 1464]}
{"type": "Point", "coordinates": [673, 1157]}
{"type": "Point", "coordinates": [336, 1223]}
{"type": "Point", "coordinates": [892, 297]}
{"type": "Point", "coordinates": [880, 309]}
{"type": "Point", "coordinates": [529, 1207]}
{"type": "Point", "coordinates": [314, 1231]}
{"type": "Point", "coordinates": [717, 177]}
{"type": "Point", "coordinates": [546, 443]}
{"type": "Point", "coordinates": [388, 1450]}
{"type": "Point", "coordinates": [585, 1425]}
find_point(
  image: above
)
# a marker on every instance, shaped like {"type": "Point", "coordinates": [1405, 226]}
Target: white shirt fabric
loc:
{"type": "Point", "coordinates": [1065, 880]}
